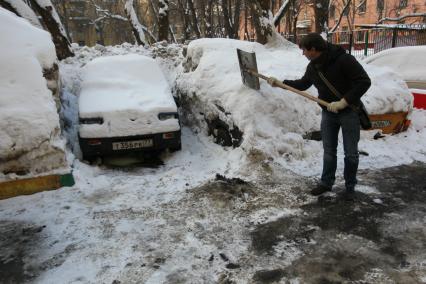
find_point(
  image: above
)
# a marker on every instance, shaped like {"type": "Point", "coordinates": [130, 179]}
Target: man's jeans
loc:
{"type": "Point", "coordinates": [331, 123]}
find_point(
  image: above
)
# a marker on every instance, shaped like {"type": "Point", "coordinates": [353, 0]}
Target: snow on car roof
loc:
{"type": "Point", "coordinates": [408, 61]}
{"type": "Point", "coordinates": [124, 82]}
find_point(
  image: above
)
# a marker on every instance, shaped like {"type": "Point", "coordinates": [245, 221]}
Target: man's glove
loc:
{"type": "Point", "coordinates": [336, 106]}
{"type": "Point", "coordinates": [273, 81]}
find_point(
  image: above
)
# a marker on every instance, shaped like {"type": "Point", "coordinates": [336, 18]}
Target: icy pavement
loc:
{"type": "Point", "coordinates": [140, 226]}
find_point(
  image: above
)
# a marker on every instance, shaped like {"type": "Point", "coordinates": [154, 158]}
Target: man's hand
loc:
{"type": "Point", "coordinates": [273, 81]}
{"type": "Point", "coordinates": [336, 106]}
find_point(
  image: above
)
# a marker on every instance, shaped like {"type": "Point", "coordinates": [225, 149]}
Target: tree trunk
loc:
{"type": "Point", "coordinates": [185, 20]}
{"type": "Point", "coordinates": [237, 13]}
{"type": "Point", "coordinates": [163, 21]}
{"type": "Point", "coordinates": [194, 18]}
{"type": "Point", "coordinates": [281, 12]}
{"type": "Point", "coordinates": [208, 18]}
{"type": "Point", "coordinates": [262, 24]}
{"type": "Point", "coordinates": [62, 45]}
{"type": "Point", "coordinates": [9, 7]}
{"type": "Point", "coordinates": [333, 29]}
{"type": "Point", "coordinates": [137, 28]}
{"type": "Point", "coordinates": [321, 15]}
{"type": "Point", "coordinates": [227, 19]}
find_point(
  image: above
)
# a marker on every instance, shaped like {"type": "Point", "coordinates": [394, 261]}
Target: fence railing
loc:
{"type": "Point", "coordinates": [365, 42]}
{"type": "Point", "coordinates": [370, 41]}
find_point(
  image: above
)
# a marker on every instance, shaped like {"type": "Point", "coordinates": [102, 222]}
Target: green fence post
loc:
{"type": "Point", "coordinates": [351, 39]}
{"type": "Point", "coordinates": [394, 35]}
{"type": "Point", "coordinates": [366, 42]}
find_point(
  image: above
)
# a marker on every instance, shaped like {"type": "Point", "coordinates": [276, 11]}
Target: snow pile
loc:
{"type": "Point", "coordinates": [273, 120]}
{"type": "Point", "coordinates": [128, 92]}
{"type": "Point", "coordinates": [408, 61]}
{"type": "Point", "coordinates": [30, 140]}
{"type": "Point", "coordinates": [26, 12]}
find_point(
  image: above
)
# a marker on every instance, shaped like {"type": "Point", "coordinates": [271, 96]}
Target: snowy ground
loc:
{"type": "Point", "coordinates": [180, 223]}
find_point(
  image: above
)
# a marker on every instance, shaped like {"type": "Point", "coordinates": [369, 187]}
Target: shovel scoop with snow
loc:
{"type": "Point", "coordinates": [250, 76]}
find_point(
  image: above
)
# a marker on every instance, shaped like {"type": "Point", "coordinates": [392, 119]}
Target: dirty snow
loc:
{"type": "Point", "coordinates": [170, 224]}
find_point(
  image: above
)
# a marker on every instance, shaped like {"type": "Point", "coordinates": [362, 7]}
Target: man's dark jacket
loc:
{"type": "Point", "coordinates": [342, 70]}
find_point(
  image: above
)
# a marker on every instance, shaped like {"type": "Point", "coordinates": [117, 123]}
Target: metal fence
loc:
{"type": "Point", "coordinates": [365, 42]}
{"type": "Point", "coordinates": [362, 43]}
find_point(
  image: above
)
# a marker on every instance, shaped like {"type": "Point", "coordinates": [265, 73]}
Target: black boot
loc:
{"type": "Point", "coordinates": [320, 189]}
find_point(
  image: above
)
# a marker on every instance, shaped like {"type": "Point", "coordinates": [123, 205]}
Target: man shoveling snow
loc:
{"type": "Point", "coordinates": [341, 81]}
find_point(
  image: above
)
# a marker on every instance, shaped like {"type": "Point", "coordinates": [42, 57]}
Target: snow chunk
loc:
{"type": "Point", "coordinates": [30, 140]}
{"type": "Point", "coordinates": [408, 61]}
{"type": "Point", "coordinates": [34, 42]}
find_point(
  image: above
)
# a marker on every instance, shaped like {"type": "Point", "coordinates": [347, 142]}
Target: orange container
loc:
{"type": "Point", "coordinates": [390, 123]}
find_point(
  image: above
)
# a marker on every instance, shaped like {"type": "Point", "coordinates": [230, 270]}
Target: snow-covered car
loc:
{"type": "Point", "coordinates": [410, 63]}
{"type": "Point", "coordinates": [126, 105]}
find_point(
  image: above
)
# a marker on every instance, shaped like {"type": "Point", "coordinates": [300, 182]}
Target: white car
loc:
{"type": "Point", "coordinates": [126, 105]}
{"type": "Point", "coordinates": [410, 63]}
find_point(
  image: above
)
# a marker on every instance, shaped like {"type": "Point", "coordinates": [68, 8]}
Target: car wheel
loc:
{"type": "Point", "coordinates": [89, 159]}
{"type": "Point", "coordinates": [177, 148]}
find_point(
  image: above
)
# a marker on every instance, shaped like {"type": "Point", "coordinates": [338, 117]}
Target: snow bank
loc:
{"type": "Point", "coordinates": [30, 140]}
{"type": "Point", "coordinates": [128, 92]}
{"type": "Point", "coordinates": [273, 120]}
{"type": "Point", "coordinates": [25, 11]}
{"type": "Point", "coordinates": [408, 61]}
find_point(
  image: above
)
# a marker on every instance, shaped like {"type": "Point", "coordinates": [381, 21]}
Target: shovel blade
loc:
{"type": "Point", "coordinates": [247, 61]}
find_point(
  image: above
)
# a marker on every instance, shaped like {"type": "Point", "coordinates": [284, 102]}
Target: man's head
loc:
{"type": "Point", "coordinates": [312, 45]}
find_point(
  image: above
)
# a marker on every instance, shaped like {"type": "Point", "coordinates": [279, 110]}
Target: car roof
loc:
{"type": "Point", "coordinates": [124, 82]}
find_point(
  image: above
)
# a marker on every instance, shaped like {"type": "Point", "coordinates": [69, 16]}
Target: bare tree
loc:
{"type": "Point", "coordinates": [208, 19]}
{"type": "Point", "coordinates": [21, 9]}
{"type": "Point", "coordinates": [137, 28]}
{"type": "Point", "coordinates": [53, 24]}
{"type": "Point", "coordinates": [50, 20]}
{"type": "Point", "coordinates": [397, 19]}
{"type": "Point", "coordinates": [102, 15]}
{"type": "Point", "coordinates": [262, 19]}
{"type": "Point", "coordinates": [163, 20]}
{"type": "Point", "coordinates": [281, 12]}
{"type": "Point", "coordinates": [342, 12]}
{"type": "Point", "coordinates": [231, 19]}
{"type": "Point", "coordinates": [194, 19]}
{"type": "Point", "coordinates": [321, 15]}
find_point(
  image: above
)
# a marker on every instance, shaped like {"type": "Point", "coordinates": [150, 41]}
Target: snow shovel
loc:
{"type": "Point", "coordinates": [250, 76]}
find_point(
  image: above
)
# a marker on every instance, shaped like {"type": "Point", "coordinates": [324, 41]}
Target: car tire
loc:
{"type": "Point", "coordinates": [89, 159]}
{"type": "Point", "coordinates": [177, 148]}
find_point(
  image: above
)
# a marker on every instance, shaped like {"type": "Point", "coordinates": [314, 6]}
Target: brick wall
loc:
{"type": "Point", "coordinates": [373, 13]}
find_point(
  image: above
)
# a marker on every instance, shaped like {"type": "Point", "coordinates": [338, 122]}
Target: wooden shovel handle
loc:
{"type": "Point", "coordinates": [287, 87]}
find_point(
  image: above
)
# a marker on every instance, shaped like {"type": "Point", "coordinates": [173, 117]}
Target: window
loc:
{"type": "Point", "coordinates": [332, 11]}
{"type": "Point", "coordinates": [362, 7]}
{"type": "Point", "coordinates": [403, 3]}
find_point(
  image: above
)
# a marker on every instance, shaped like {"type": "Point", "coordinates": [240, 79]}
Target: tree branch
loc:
{"type": "Point", "coordinates": [402, 17]}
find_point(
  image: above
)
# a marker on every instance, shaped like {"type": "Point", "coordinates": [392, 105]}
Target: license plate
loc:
{"type": "Point", "coordinates": [132, 144]}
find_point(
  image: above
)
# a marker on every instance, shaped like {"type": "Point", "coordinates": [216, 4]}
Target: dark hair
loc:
{"type": "Point", "coordinates": [313, 40]}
